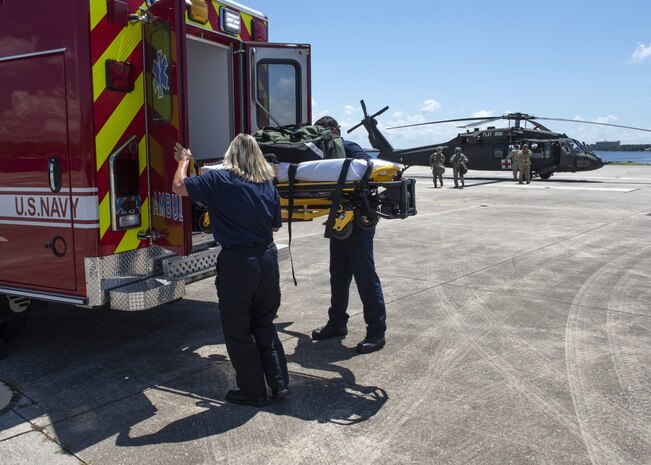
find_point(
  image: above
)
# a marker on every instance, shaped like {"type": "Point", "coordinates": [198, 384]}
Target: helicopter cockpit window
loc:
{"type": "Point", "coordinates": [575, 146]}
{"type": "Point", "coordinates": [565, 148]}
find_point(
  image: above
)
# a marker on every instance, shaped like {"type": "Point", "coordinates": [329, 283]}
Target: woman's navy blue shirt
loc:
{"type": "Point", "coordinates": [241, 212]}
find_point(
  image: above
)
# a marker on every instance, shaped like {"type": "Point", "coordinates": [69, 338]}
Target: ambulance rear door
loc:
{"type": "Point", "coordinates": [39, 209]}
{"type": "Point", "coordinates": [166, 84]}
{"type": "Point", "coordinates": [278, 84]}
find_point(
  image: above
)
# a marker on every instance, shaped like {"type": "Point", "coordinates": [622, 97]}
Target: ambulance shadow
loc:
{"type": "Point", "coordinates": [86, 376]}
{"type": "Point", "coordinates": [92, 377]}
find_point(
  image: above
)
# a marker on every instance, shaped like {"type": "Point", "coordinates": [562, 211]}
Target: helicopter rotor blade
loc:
{"type": "Point", "coordinates": [483, 121]}
{"type": "Point", "coordinates": [438, 122]}
{"type": "Point", "coordinates": [594, 122]}
{"type": "Point", "coordinates": [363, 107]}
{"type": "Point", "coordinates": [366, 116]}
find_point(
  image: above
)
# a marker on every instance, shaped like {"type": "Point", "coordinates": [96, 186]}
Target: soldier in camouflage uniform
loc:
{"type": "Point", "coordinates": [513, 156]}
{"type": "Point", "coordinates": [437, 162]}
{"type": "Point", "coordinates": [458, 161]}
{"type": "Point", "coordinates": [524, 163]}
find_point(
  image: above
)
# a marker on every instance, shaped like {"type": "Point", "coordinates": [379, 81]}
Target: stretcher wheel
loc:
{"type": "Point", "coordinates": [366, 220]}
{"type": "Point", "coordinates": [344, 233]}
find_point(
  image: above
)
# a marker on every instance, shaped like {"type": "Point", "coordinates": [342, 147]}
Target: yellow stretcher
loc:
{"type": "Point", "coordinates": [345, 190]}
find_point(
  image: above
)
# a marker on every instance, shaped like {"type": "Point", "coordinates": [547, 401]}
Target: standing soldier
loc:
{"type": "Point", "coordinates": [437, 162]}
{"type": "Point", "coordinates": [524, 162]}
{"type": "Point", "coordinates": [459, 168]}
{"type": "Point", "coordinates": [513, 156]}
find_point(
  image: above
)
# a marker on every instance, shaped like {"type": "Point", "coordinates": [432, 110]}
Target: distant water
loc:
{"type": "Point", "coordinates": [623, 157]}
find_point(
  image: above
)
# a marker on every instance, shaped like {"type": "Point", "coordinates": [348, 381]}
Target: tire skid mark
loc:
{"type": "Point", "coordinates": [549, 407]}
{"type": "Point", "coordinates": [634, 381]}
{"type": "Point", "coordinates": [595, 412]}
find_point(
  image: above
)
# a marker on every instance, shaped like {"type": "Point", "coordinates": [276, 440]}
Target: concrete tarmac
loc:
{"type": "Point", "coordinates": [519, 332]}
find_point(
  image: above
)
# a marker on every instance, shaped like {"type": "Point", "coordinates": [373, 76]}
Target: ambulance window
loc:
{"type": "Point", "coordinates": [278, 91]}
{"type": "Point", "coordinates": [159, 74]}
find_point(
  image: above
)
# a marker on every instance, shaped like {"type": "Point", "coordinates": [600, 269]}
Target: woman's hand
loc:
{"type": "Point", "coordinates": [181, 153]}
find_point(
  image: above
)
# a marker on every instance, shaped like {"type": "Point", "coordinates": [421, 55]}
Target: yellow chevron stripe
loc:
{"type": "Point", "coordinates": [104, 215]}
{"type": "Point", "coordinates": [120, 119]}
{"type": "Point", "coordinates": [130, 239]}
{"type": "Point", "coordinates": [97, 12]}
{"type": "Point", "coordinates": [120, 49]}
{"type": "Point", "coordinates": [247, 21]}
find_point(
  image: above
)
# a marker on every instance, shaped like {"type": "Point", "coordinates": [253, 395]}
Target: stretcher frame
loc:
{"type": "Point", "coordinates": [380, 193]}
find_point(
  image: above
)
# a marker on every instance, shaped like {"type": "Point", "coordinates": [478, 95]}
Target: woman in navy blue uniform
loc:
{"type": "Point", "coordinates": [353, 257]}
{"type": "Point", "coordinates": [244, 209]}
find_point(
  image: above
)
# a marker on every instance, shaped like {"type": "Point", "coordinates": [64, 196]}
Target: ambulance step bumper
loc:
{"type": "Point", "coordinates": [161, 281]}
{"type": "Point", "coordinates": [159, 290]}
{"type": "Point", "coordinates": [146, 294]}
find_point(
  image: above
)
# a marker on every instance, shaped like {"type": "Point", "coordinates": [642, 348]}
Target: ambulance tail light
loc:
{"type": "Point", "coordinates": [259, 30]}
{"type": "Point", "coordinates": [124, 186]}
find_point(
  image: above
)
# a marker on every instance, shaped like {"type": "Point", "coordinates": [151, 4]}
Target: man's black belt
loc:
{"type": "Point", "coordinates": [246, 245]}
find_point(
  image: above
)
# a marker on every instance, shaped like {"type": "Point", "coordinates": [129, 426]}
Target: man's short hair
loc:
{"type": "Point", "coordinates": [327, 122]}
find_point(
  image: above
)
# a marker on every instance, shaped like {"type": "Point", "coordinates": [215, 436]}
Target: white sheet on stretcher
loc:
{"type": "Point", "coordinates": [320, 170]}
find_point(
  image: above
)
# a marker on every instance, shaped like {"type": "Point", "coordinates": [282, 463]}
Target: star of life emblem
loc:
{"type": "Point", "coordinates": [161, 79]}
{"type": "Point", "coordinates": [506, 164]}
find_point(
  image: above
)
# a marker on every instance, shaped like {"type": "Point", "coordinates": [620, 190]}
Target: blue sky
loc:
{"type": "Point", "coordinates": [575, 59]}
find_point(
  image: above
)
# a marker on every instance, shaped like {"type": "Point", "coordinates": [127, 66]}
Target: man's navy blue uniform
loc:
{"type": "Point", "coordinates": [242, 216]}
{"type": "Point", "coordinates": [353, 257]}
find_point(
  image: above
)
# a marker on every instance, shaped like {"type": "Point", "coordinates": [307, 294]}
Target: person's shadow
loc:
{"type": "Point", "coordinates": [323, 399]}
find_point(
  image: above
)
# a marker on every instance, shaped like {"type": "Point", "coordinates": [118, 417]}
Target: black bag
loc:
{"type": "Point", "coordinates": [299, 143]}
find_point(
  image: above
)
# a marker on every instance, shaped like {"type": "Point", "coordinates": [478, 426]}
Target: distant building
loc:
{"type": "Point", "coordinates": [608, 145]}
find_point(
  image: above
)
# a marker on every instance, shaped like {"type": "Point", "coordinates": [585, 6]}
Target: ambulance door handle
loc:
{"type": "Point", "coordinates": [57, 245]}
{"type": "Point", "coordinates": [54, 174]}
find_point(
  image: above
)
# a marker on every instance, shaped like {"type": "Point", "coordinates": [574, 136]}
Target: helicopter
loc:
{"type": "Point", "coordinates": [487, 149]}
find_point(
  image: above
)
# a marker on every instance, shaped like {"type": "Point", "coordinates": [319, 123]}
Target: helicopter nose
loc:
{"type": "Point", "coordinates": [597, 162]}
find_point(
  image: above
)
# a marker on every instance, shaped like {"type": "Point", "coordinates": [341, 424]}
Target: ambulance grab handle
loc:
{"type": "Point", "coordinates": [54, 174]}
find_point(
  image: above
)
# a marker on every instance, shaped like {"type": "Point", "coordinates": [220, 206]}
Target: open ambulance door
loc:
{"type": "Point", "coordinates": [166, 108]}
{"type": "Point", "coordinates": [279, 84]}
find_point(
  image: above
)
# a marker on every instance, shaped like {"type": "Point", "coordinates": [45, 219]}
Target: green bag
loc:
{"type": "Point", "coordinates": [300, 142]}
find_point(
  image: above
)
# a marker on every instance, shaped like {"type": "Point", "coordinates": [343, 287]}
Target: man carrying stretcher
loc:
{"type": "Point", "coordinates": [353, 257]}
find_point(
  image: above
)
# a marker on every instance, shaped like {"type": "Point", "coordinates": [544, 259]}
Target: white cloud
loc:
{"type": "Point", "coordinates": [430, 105]}
{"type": "Point", "coordinates": [397, 114]}
{"type": "Point", "coordinates": [610, 119]}
{"type": "Point", "coordinates": [483, 114]}
{"type": "Point", "coordinates": [350, 110]}
{"type": "Point", "coordinates": [641, 53]}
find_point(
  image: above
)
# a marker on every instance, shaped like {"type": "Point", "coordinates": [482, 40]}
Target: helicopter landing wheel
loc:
{"type": "Point", "coordinates": [345, 232]}
{"type": "Point", "coordinates": [545, 176]}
